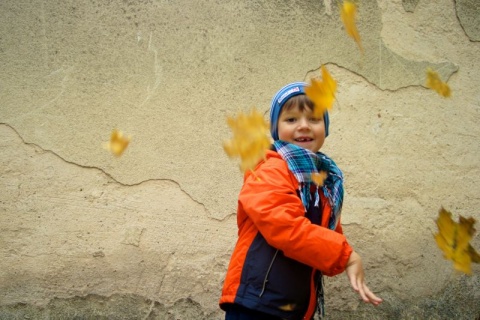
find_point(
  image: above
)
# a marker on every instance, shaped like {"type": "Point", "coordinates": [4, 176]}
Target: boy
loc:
{"type": "Point", "coordinates": [289, 228]}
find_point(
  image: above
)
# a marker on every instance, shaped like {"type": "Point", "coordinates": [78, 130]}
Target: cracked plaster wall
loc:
{"type": "Point", "coordinates": [159, 222]}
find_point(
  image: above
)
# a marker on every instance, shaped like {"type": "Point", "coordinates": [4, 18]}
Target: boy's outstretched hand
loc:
{"type": "Point", "coordinates": [356, 276]}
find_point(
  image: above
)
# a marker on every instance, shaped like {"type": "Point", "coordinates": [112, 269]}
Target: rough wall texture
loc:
{"type": "Point", "coordinates": [148, 235]}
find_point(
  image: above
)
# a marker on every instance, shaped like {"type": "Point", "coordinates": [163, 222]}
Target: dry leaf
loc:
{"type": "Point", "coordinates": [434, 82]}
{"type": "Point", "coordinates": [118, 143]}
{"type": "Point", "coordinates": [288, 307]}
{"type": "Point", "coordinates": [319, 178]}
{"type": "Point", "coordinates": [454, 240]}
{"type": "Point", "coordinates": [250, 140]}
{"type": "Point", "coordinates": [322, 93]}
{"type": "Point", "coordinates": [348, 14]}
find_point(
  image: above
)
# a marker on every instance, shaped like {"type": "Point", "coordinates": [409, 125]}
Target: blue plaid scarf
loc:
{"type": "Point", "coordinates": [303, 163]}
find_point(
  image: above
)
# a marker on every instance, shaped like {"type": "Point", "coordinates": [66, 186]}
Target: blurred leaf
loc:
{"type": "Point", "coordinates": [118, 143]}
{"type": "Point", "coordinates": [288, 307]}
{"type": "Point", "coordinates": [322, 93]}
{"type": "Point", "coordinates": [454, 240]}
{"type": "Point", "coordinates": [348, 14]}
{"type": "Point", "coordinates": [319, 178]}
{"type": "Point", "coordinates": [250, 140]}
{"type": "Point", "coordinates": [435, 83]}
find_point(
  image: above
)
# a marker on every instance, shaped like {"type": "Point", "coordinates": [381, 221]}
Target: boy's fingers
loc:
{"type": "Point", "coordinates": [357, 281]}
{"type": "Point", "coordinates": [357, 285]}
{"type": "Point", "coordinates": [372, 298]}
{"type": "Point", "coordinates": [353, 282]}
{"type": "Point", "coordinates": [363, 294]}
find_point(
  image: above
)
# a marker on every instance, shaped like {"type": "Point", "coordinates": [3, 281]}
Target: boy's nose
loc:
{"type": "Point", "coordinates": [303, 123]}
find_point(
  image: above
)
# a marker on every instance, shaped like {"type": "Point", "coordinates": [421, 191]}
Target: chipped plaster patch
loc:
{"type": "Point", "coordinates": [409, 5]}
{"type": "Point", "coordinates": [132, 236]}
{"type": "Point", "coordinates": [468, 13]}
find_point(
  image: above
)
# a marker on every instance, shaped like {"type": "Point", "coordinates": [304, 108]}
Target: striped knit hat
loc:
{"type": "Point", "coordinates": [288, 91]}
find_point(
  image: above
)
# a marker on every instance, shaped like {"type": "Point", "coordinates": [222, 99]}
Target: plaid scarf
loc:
{"type": "Point", "coordinates": [303, 163]}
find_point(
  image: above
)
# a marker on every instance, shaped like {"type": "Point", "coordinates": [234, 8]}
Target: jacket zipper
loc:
{"type": "Point", "coordinates": [266, 276]}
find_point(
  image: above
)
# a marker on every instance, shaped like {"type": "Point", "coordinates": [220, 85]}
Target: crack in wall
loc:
{"type": "Point", "coordinates": [110, 177]}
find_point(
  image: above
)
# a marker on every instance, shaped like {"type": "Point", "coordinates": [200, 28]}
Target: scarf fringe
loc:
{"type": "Point", "coordinates": [306, 197]}
{"type": "Point", "coordinates": [317, 198]}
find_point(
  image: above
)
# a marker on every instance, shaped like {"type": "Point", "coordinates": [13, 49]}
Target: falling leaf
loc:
{"type": "Point", "coordinates": [288, 307]}
{"type": "Point", "coordinates": [319, 177]}
{"type": "Point", "coordinates": [250, 140]}
{"type": "Point", "coordinates": [454, 240]}
{"type": "Point", "coordinates": [434, 82]}
{"type": "Point", "coordinates": [322, 93]}
{"type": "Point", "coordinates": [118, 143]}
{"type": "Point", "coordinates": [348, 14]}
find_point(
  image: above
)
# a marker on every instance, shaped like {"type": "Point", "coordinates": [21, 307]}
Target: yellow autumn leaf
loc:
{"type": "Point", "coordinates": [435, 83]}
{"type": "Point", "coordinates": [319, 178]}
{"type": "Point", "coordinates": [118, 143]}
{"type": "Point", "coordinates": [288, 307]}
{"type": "Point", "coordinates": [348, 14]}
{"type": "Point", "coordinates": [322, 92]}
{"type": "Point", "coordinates": [250, 140]}
{"type": "Point", "coordinates": [453, 238]}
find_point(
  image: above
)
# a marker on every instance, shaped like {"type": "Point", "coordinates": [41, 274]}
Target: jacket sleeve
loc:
{"type": "Point", "coordinates": [270, 200]}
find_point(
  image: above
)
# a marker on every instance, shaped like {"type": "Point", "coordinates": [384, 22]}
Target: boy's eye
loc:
{"type": "Point", "coordinates": [290, 119]}
{"type": "Point", "coordinates": [316, 119]}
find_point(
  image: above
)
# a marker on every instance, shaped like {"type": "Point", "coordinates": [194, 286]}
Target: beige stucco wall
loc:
{"type": "Point", "coordinates": [83, 233]}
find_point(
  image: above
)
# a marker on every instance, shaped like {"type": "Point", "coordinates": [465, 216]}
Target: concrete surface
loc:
{"type": "Point", "coordinates": [148, 235]}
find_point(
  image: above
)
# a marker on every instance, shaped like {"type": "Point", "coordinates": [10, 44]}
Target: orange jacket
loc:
{"type": "Point", "coordinates": [279, 249]}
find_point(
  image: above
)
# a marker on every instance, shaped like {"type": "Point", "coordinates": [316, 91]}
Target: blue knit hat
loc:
{"type": "Point", "coordinates": [288, 91]}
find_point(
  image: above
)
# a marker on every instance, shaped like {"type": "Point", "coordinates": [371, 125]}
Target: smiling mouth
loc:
{"type": "Point", "coordinates": [303, 139]}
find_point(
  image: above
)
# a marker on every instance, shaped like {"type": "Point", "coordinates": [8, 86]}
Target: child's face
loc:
{"type": "Point", "coordinates": [301, 128]}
